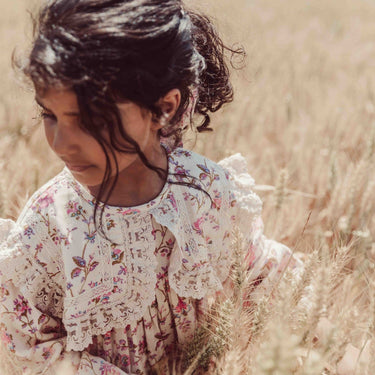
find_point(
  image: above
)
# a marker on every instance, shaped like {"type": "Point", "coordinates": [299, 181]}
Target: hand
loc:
{"type": "Point", "coordinates": [348, 364]}
{"type": "Point", "coordinates": [353, 358]}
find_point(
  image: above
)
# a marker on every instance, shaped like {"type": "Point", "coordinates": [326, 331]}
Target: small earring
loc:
{"type": "Point", "coordinates": [164, 119]}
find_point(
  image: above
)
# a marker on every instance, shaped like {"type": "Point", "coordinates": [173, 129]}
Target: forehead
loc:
{"type": "Point", "coordinates": [57, 98]}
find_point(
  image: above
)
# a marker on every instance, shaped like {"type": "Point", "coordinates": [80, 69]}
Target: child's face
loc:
{"type": "Point", "coordinates": [81, 152]}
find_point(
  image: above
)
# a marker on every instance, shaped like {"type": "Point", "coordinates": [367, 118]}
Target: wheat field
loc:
{"type": "Point", "coordinates": [304, 118]}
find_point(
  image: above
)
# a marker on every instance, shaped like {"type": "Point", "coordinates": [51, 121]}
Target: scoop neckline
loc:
{"type": "Point", "coordinates": [126, 210]}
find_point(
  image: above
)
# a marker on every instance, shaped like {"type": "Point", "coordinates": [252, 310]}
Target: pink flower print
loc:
{"type": "Point", "coordinates": [250, 256]}
{"type": "Point", "coordinates": [170, 242]}
{"type": "Point", "coordinates": [71, 207]}
{"type": "Point", "coordinates": [76, 272]}
{"type": "Point", "coordinates": [39, 247]}
{"type": "Point", "coordinates": [173, 201]}
{"type": "Point", "coordinates": [153, 232]}
{"type": "Point", "coordinates": [93, 266]}
{"type": "Point", "coordinates": [93, 284]}
{"type": "Point", "coordinates": [21, 307]}
{"type": "Point", "coordinates": [197, 225]}
{"type": "Point", "coordinates": [232, 199]}
{"type": "Point", "coordinates": [122, 344]}
{"type": "Point", "coordinates": [142, 346]}
{"type": "Point", "coordinates": [107, 338]}
{"type": "Point", "coordinates": [167, 286]}
{"type": "Point", "coordinates": [180, 173]}
{"type": "Point", "coordinates": [160, 275]}
{"type": "Point", "coordinates": [181, 306]}
{"type": "Point", "coordinates": [187, 196]}
{"type": "Point", "coordinates": [130, 211]}
{"type": "Point", "coordinates": [45, 201]}
{"type": "Point", "coordinates": [217, 199]}
{"type": "Point", "coordinates": [6, 337]}
{"type": "Point", "coordinates": [184, 325]}
{"type": "Point", "coordinates": [123, 361]}
{"type": "Point", "coordinates": [107, 368]}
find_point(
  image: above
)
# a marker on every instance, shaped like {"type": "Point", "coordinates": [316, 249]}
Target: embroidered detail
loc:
{"type": "Point", "coordinates": [125, 293]}
{"type": "Point", "coordinates": [18, 265]}
{"type": "Point", "coordinates": [97, 284]}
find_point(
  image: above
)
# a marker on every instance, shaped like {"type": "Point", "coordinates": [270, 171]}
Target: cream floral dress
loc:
{"type": "Point", "coordinates": [75, 301]}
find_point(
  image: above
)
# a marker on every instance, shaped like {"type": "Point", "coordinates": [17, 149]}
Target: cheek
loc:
{"type": "Point", "coordinates": [48, 132]}
{"type": "Point", "coordinates": [137, 125]}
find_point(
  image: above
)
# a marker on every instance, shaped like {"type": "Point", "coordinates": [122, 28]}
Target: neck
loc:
{"type": "Point", "coordinates": [138, 184]}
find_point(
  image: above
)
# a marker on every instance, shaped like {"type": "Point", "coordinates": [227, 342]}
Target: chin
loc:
{"type": "Point", "coordinates": [88, 179]}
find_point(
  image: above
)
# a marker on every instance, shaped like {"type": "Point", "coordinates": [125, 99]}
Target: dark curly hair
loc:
{"type": "Point", "coordinates": [108, 51]}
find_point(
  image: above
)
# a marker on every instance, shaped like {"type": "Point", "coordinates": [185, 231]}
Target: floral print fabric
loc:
{"type": "Point", "coordinates": [76, 300]}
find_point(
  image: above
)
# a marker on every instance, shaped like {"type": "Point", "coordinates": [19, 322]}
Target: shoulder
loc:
{"type": "Point", "coordinates": [201, 170]}
{"type": "Point", "coordinates": [48, 198]}
{"type": "Point", "coordinates": [27, 249]}
{"type": "Point", "coordinates": [36, 231]}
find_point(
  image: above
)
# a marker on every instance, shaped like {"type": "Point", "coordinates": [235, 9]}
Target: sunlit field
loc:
{"type": "Point", "coordinates": [304, 118]}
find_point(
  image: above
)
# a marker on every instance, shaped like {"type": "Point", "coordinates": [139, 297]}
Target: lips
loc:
{"type": "Point", "coordinates": [77, 168]}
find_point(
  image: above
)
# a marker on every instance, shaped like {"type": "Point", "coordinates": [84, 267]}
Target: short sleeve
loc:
{"type": "Point", "coordinates": [266, 259]}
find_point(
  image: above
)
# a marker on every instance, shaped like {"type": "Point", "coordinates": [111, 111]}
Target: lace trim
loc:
{"type": "Point", "coordinates": [25, 273]}
{"type": "Point", "coordinates": [114, 306]}
{"type": "Point", "coordinates": [243, 184]}
{"type": "Point", "coordinates": [196, 268]}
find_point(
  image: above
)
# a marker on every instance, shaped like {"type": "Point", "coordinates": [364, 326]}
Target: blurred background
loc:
{"type": "Point", "coordinates": [303, 114]}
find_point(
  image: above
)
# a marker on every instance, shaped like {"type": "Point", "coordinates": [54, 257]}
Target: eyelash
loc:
{"type": "Point", "coordinates": [46, 115]}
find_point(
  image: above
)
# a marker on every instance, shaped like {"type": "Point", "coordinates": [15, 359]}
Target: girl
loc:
{"type": "Point", "coordinates": [109, 266]}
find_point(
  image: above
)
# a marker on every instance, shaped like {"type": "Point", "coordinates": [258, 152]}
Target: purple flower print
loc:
{"type": "Point", "coordinates": [45, 201]}
{"type": "Point", "coordinates": [80, 262]}
{"type": "Point", "coordinates": [28, 232]}
{"type": "Point", "coordinates": [203, 168]}
{"type": "Point", "coordinates": [76, 272]}
{"type": "Point", "coordinates": [47, 352]}
{"type": "Point", "coordinates": [90, 237]}
{"type": "Point", "coordinates": [123, 270]}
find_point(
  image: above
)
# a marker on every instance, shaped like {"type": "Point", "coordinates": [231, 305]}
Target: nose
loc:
{"type": "Point", "coordinates": [63, 141]}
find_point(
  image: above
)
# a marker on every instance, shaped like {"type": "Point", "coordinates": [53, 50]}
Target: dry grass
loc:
{"type": "Point", "coordinates": [304, 117]}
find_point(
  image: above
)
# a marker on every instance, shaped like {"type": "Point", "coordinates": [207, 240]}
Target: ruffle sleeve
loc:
{"type": "Point", "coordinates": [267, 259]}
{"type": "Point", "coordinates": [32, 335]}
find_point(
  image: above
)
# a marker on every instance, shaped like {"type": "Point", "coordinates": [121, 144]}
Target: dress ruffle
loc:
{"type": "Point", "coordinates": [20, 267]}
{"type": "Point", "coordinates": [200, 260]}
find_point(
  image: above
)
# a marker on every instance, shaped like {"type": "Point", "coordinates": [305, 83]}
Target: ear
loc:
{"type": "Point", "coordinates": [169, 104]}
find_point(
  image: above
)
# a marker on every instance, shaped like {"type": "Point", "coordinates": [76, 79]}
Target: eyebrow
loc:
{"type": "Point", "coordinates": [75, 114]}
